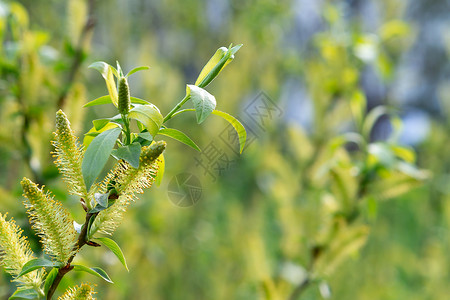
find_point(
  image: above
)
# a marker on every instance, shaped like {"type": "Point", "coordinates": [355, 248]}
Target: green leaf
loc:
{"type": "Point", "coordinates": [213, 61]}
{"type": "Point", "coordinates": [107, 100]}
{"type": "Point", "coordinates": [218, 67]}
{"type": "Point", "coordinates": [97, 154]}
{"type": "Point", "coordinates": [242, 134]}
{"type": "Point", "coordinates": [114, 247]}
{"type": "Point", "coordinates": [161, 162]}
{"type": "Point", "coordinates": [99, 101]}
{"type": "Point", "coordinates": [49, 280]}
{"type": "Point", "coordinates": [99, 124]}
{"type": "Point", "coordinates": [179, 136]}
{"type": "Point", "coordinates": [148, 115]}
{"type": "Point", "coordinates": [35, 264]}
{"type": "Point", "coordinates": [371, 119]}
{"type": "Point", "coordinates": [107, 73]}
{"type": "Point", "coordinates": [129, 154]}
{"type": "Point", "coordinates": [102, 198]}
{"type": "Point", "coordinates": [204, 102]}
{"type": "Point", "coordinates": [94, 271]}
{"type": "Point", "coordinates": [25, 294]}
{"type": "Point", "coordinates": [137, 70]}
{"type": "Point", "coordinates": [139, 101]}
{"type": "Point", "coordinates": [146, 136]}
{"type": "Point", "coordinates": [92, 133]}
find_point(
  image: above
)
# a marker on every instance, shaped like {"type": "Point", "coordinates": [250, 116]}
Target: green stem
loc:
{"type": "Point", "coordinates": [126, 129]}
{"type": "Point", "coordinates": [176, 108]}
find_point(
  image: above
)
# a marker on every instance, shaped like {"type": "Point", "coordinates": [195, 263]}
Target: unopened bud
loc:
{"type": "Point", "coordinates": [124, 96]}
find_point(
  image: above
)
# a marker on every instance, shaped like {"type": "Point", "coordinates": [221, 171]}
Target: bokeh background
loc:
{"type": "Point", "coordinates": [251, 232]}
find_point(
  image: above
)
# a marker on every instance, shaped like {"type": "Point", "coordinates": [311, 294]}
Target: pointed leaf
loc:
{"type": "Point", "coordinates": [25, 294]}
{"type": "Point", "coordinates": [213, 61]}
{"type": "Point", "coordinates": [129, 154]}
{"type": "Point", "coordinates": [139, 101]}
{"type": "Point", "coordinates": [161, 167]}
{"type": "Point", "coordinates": [179, 136]}
{"type": "Point", "coordinates": [204, 102]}
{"type": "Point", "coordinates": [107, 73]}
{"type": "Point", "coordinates": [114, 247]}
{"type": "Point", "coordinates": [148, 115]}
{"type": "Point", "coordinates": [49, 280]}
{"type": "Point", "coordinates": [99, 101]}
{"type": "Point", "coordinates": [137, 70]}
{"type": "Point", "coordinates": [94, 271]}
{"type": "Point", "coordinates": [97, 154]}
{"type": "Point", "coordinates": [242, 134]}
{"type": "Point", "coordinates": [35, 264]}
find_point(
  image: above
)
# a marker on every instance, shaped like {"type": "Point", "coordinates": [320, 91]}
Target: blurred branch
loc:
{"type": "Point", "coordinates": [79, 55]}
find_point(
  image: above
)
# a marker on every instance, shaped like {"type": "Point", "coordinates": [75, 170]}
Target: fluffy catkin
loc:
{"type": "Point", "coordinates": [51, 221]}
{"type": "Point", "coordinates": [83, 292]}
{"type": "Point", "coordinates": [15, 252]}
{"type": "Point", "coordinates": [128, 182]}
{"type": "Point", "coordinates": [69, 155]}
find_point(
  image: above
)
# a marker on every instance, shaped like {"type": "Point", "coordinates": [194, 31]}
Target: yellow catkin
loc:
{"type": "Point", "coordinates": [69, 156]}
{"type": "Point", "coordinates": [51, 221]}
{"type": "Point", "coordinates": [129, 181]}
{"type": "Point", "coordinates": [83, 292]}
{"type": "Point", "coordinates": [15, 252]}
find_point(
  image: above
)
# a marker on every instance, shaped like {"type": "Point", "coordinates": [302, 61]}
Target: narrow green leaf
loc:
{"type": "Point", "coordinates": [35, 264]}
{"type": "Point", "coordinates": [49, 280]}
{"type": "Point", "coordinates": [179, 136]}
{"type": "Point", "coordinates": [97, 154]}
{"type": "Point", "coordinates": [99, 101]}
{"type": "Point", "coordinates": [161, 162]}
{"type": "Point", "coordinates": [94, 271]}
{"type": "Point", "coordinates": [114, 247]}
{"type": "Point", "coordinates": [25, 294]}
{"type": "Point", "coordinates": [129, 154]}
{"type": "Point", "coordinates": [107, 72]}
{"type": "Point", "coordinates": [204, 102]}
{"type": "Point", "coordinates": [139, 101]}
{"type": "Point", "coordinates": [242, 134]}
{"type": "Point", "coordinates": [148, 115]}
{"type": "Point", "coordinates": [137, 70]}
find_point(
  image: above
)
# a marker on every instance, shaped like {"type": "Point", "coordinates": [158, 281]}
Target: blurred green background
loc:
{"type": "Point", "coordinates": [255, 229]}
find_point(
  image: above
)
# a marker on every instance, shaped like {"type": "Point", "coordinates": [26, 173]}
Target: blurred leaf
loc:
{"type": "Point", "coordinates": [25, 294]}
{"type": "Point", "coordinates": [148, 115]}
{"type": "Point", "coordinates": [371, 118]}
{"type": "Point", "coordinates": [35, 264]}
{"type": "Point", "coordinates": [129, 153]}
{"type": "Point", "coordinates": [94, 271]}
{"type": "Point", "coordinates": [358, 107]}
{"type": "Point", "coordinates": [204, 102]}
{"type": "Point", "coordinates": [179, 136]}
{"type": "Point", "coordinates": [114, 247]}
{"type": "Point", "coordinates": [97, 154]}
{"type": "Point", "coordinates": [404, 153]}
